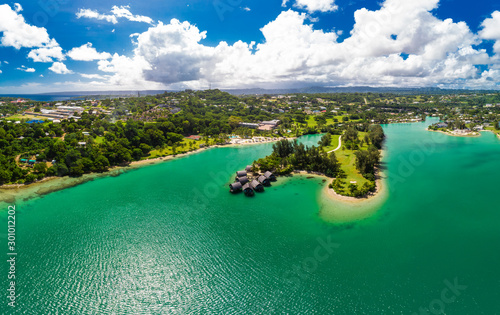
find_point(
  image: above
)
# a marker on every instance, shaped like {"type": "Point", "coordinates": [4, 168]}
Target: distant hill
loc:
{"type": "Point", "coordinates": [253, 91]}
{"type": "Point", "coordinates": [354, 89]}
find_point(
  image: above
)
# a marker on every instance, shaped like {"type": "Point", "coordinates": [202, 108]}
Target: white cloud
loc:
{"type": "Point", "coordinates": [401, 44]}
{"type": "Point", "coordinates": [91, 14]}
{"type": "Point", "coordinates": [17, 33]}
{"type": "Point", "coordinates": [0, 71]}
{"type": "Point", "coordinates": [315, 5]}
{"type": "Point", "coordinates": [247, 9]}
{"type": "Point", "coordinates": [60, 68]}
{"type": "Point", "coordinates": [26, 69]}
{"type": "Point", "coordinates": [46, 54]}
{"type": "Point", "coordinates": [117, 12]}
{"type": "Point", "coordinates": [491, 30]}
{"type": "Point", "coordinates": [94, 76]}
{"type": "Point", "coordinates": [6, 62]}
{"type": "Point", "coordinates": [124, 12]}
{"type": "Point", "coordinates": [284, 3]}
{"type": "Point", "coordinates": [440, 52]}
{"type": "Point", "coordinates": [17, 7]}
{"type": "Point", "coordinates": [87, 53]}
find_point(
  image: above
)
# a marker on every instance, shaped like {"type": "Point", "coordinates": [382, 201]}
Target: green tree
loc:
{"type": "Point", "coordinates": [40, 168]}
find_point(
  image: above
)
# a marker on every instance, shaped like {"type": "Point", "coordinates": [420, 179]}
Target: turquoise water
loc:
{"type": "Point", "coordinates": [170, 239]}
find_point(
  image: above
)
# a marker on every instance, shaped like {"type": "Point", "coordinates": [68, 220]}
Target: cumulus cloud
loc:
{"type": "Point", "coordinates": [17, 7]}
{"type": "Point", "coordinates": [117, 12]}
{"type": "Point", "coordinates": [46, 54]}
{"type": "Point", "coordinates": [87, 53]}
{"type": "Point", "coordinates": [124, 12]}
{"type": "Point", "coordinates": [91, 14]}
{"type": "Point", "coordinates": [60, 68]}
{"type": "Point", "coordinates": [94, 76]}
{"type": "Point", "coordinates": [491, 30]}
{"type": "Point", "coordinates": [17, 33]}
{"type": "Point", "coordinates": [400, 44]}
{"type": "Point", "coordinates": [26, 69]}
{"type": "Point", "coordinates": [315, 5]}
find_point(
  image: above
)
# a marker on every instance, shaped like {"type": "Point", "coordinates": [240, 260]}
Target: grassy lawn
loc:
{"type": "Point", "coordinates": [333, 144]}
{"type": "Point", "coordinates": [347, 160]}
{"type": "Point", "coordinates": [27, 117]}
{"type": "Point", "coordinates": [169, 150]}
{"type": "Point", "coordinates": [311, 122]}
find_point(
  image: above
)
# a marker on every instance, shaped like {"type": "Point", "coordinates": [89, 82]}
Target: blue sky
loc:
{"type": "Point", "coordinates": [62, 45]}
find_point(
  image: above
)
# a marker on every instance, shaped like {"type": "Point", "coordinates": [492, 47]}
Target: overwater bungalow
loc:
{"type": "Point", "coordinates": [248, 190]}
{"type": "Point", "coordinates": [235, 187]}
{"type": "Point", "coordinates": [264, 180]}
{"type": "Point", "coordinates": [257, 186]}
{"type": "Point", "coordinates": [241, 174]}
{"type": "Point", "coordinates": [248, 168]}
{"type": "Point", "coordinates": [270, 176]}
{"type": "Point", "coordinates": [242, 180]}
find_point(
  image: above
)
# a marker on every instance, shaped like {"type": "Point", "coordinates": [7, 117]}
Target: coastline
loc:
{"type": "Point", "coordinates": [478, 133]}
{"type": "Point", "coordinates": [14, 192]}
{"type": "Point", "coordinates": [498, 134]}
{"type": "Point", "coordinates": [331, 194]}
{"type": "Point", "coordinates": [457, 135]}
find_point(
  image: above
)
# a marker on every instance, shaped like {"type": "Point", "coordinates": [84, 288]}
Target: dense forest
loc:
{"type": "Point", "coordinates": [288, 156]}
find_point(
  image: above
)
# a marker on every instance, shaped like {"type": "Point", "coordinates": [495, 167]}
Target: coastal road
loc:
{"type": "Point", "coordinates": [340, 144]}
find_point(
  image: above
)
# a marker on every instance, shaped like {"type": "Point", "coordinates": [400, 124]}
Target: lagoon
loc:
{"type": "Point", "coordinates": [170, 239]}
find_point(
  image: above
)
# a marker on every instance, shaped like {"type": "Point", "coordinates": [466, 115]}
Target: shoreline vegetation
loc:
{"type": "Point", "coordinates": [455, 134]}
{"type": "Point", "coordinates": [475, 135]}
{"type": "Point", "coordinates": [8, 193]}
{"type": "Point", "coordinates": [359, 158]}
{"type": "Point", "coordinates": [465, 128]}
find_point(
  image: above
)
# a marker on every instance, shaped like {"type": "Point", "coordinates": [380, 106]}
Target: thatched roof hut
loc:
{"type": "Point", "coordinates": [242, 180]}
{"type": "Point", "coordinates": [270, 176]}
{"type": "Point", "coordinates": [248, 190]}
{"type": "Point", "coordinates": [235, 187]}
{"type": "Point", "coordinates": [264, 180]}
{"type": "Point", "coordinates": [257, 186]}
{"type": "Point", "coordinates": [241, 174]}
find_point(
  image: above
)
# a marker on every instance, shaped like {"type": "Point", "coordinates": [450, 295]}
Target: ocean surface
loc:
{"type": "Point", "coordinates": [170, 239]}
{"type": "Point", "coordinates": [41, 97]}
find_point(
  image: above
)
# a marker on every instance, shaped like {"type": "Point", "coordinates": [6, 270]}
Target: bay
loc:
{"type": "Point", "coordinates": [170, 239]}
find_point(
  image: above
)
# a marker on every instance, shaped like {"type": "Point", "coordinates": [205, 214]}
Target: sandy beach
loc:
{"type": "Point", "coordinates": [330, 193]}
{"type": "Point", "coordinates": [473, 135]}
